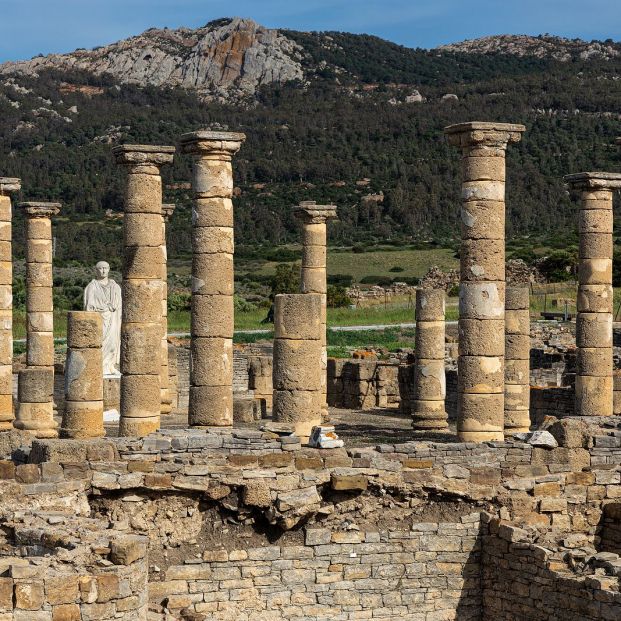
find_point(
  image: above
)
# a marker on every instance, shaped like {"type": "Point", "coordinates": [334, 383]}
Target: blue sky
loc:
{"type": "Point", "coordinates": [30, 27]}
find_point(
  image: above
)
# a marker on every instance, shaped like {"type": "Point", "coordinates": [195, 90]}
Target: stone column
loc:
{"type": "Point", "coordinates": [427, 407]}
{"type": "Point", "coordinates": [39, 281]}
{"type": "Point", "coordinates": [313, 274]}
{"type": "Point", "coordinates": [35, 393]}
{"type": "Point", "coordinates": [297, 354]}
{"type": "Point", "coordinates": [83, 416]}
{"type": "Point", "coordinates": [482, 287]}
{"type": "Point", "coordinates": [7, 186]}
{"type": "Point", "coordinates": [141, 321]}
{"type": "Point", "coordinates": [594, 383]}
{"type": "Point", "coordinates": [167, 211]}
{"type": "Point", "coordinates": [211, 364]}
{"type": "Point", "coordinates": [517, 360]}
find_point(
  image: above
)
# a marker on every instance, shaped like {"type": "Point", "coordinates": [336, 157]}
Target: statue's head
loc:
{"type": "Point", "coordinates": [102, 269]}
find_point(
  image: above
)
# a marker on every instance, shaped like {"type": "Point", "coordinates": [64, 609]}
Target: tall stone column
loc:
{"type": "Point", "coordinates": [211, 363]}
{"type": "Point", "coordinates": [517, 360]}
{"type": "Point", "coordinates": [141, 320]}
{"type": "Point", "coordinates": [83, 416]}
{"type": "Point", "coordinates": [594, 380]}
{"type": "Point", "coordinates": [428, 410]}
{"type": "Point", "coordinates": [482, 287]}
{"type": "Point", "coordinates": [7, 186]}
{"type": "Point", "coordinates": [297, 353]}
{"type": "Point", "coordinates": [39, 281]}
{"type": "Point", "coordinates": [167, 212]}
{"type": "Point", "coordinates": [313, 274]}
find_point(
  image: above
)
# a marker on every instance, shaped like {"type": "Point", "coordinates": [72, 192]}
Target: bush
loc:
{"type": "Point", "coordinates": [286, 279]}
{"type": "Point", "coordinates": [179, 301]}
{"type": "Point", "coordinates": [559, 265]}
{"type": "Point", "coordinates": [382, 281]}
{"type": "Point", "coordinates": [342, 280]}
{"type": "Point", "coordinates": [337, 297]}
{"type": "Point", "coordinates": [453, 292]}
{"type": "Point", "coordinates": [282, 255]}
{"type": "Point", "coordinates": [396, 268]}
{"type": "Point", "coordinates": [242, 306]}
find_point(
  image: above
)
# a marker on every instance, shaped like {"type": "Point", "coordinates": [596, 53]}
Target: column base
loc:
{"type": "Point", "coordinates": [138, 427]}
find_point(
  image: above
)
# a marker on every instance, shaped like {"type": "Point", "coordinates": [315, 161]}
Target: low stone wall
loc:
{"type": "Point", "coordinates": [550, 401]}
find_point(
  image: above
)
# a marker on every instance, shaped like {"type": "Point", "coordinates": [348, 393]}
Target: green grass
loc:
{"type": "Point", "coordinates": [340, 344]}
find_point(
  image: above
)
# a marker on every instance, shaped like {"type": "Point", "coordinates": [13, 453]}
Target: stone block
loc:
{"type": "Point", "coordinates": [348, 482]}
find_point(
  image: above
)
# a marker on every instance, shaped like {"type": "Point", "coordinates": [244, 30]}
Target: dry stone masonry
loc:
{"type": "Point", "coordinates": [482, 288]}
{"type": "Point", "coordinates": [427, 406]}
{"type": "Point", "coordinates": [211, 371]}
{"type": "Point", "coordinates": [297, 361]}
{"type": "Point", "coordinates": [594, 382]}
{"type": "Point", "coordinates": [517, 360]}
{"type": "Point", "coordinates": [141, 323]}
{"type": "Point", "coordinates": [313, 277]}
{"type": "Point", "coordinates": [8, 185]}
{"type": "Point", "coordinates": [83, 415]}
{"type": "Point", "coordinates": [39, 300]}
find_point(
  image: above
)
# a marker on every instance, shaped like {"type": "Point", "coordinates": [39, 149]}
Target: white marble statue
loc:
{"type": "Point", "coordinates": [103, 295]}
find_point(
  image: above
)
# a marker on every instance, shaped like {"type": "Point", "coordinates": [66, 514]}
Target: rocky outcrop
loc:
{"type": "Point", "coordinates": [224, 59]}
{"type": "Point", "coordinates": [542, 46]}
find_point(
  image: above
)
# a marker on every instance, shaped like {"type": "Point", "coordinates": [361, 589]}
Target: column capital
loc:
{"type": "Point", "coordinates": [477, 133]}
{"type": "Point", "coordinates": [9, 184]}
{"type": "Point", "coordinates": [143, 155]}
{"type": "Point", "coordinates": [40, 210]}
{"type": "Point", "coordinates": [312, 213]}
{"type": "Point", "coordinates": [167, 210]}
{"type": "Point", "coordinates": [208, 142]}
{"type": "Point", "coordinates": [594, 181]}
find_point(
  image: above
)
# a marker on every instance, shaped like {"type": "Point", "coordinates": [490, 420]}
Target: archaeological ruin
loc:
{"type": "Point", "coordinates": [223, 493]}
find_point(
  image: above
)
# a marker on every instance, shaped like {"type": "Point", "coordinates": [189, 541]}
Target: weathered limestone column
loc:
{"type": "Point", "coordinates": [482, 287]}
{"type": "Point", "coordinates": [7, 186]}
{"type": "Point", "coordinates": [83, 416]}
{"type": "Point", "coordinates": [39, 300]}
{"type": "Point", "coordinates": [517, 360]}
{"type": "Point", "coordinates": [35, 393]}
{"type": "Point", "coordinates": [141, 322]}
{"type": "Point", "coordinates": [297, 358]}
{"type": "Point", "coordinates": [594, 383]}
{"type": "Point", "coordinates": [427, 407]}
{"type": "Point", "coordinates": [211, 364]}
{"type": "Point", "coordinates": [167, 211]}
{"type": "Point", "coordinates": [313, 273]}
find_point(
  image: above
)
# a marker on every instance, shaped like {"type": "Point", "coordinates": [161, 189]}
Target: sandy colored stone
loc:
{"type": "Point", "coordinates": [40, 349]}
{"type": "Point", "coordinates": [143, 194]}
{"type": "Point", "coordinates": [36, 228]}
{"type": "Point", "coordinates": [595, 246]}
{"type": "Point", "coordinates": [297, 316]}
{"type": "Point", "coordinates": [211, 362]}
{"type": "Point", "coordinates": [594, 395]}
{"type": "Point", "coordinates": [297, 365]}
{"type": "Point", "coordinates": [142, 301]}
{"type": "Point", "coordinates": [84, 329]}
{"type": "Point", "coordinates": [314, 256]}
{"type": "Point", "coordinates": [594, 361]}
{"type": "Point", "coordinates": [595, 271]}
{"type": "Point", "coordinates": [6, 272]}
{"type": "Point", "coordinates": [313, 281]}
{"type": "Point", "coordinates": [138, 427]}
{"type": "Point", "coordinates": [84, 375]}
{"type": "Point", "coordinates": [38, 274]}
{"type": "Point", "coordinates": [211, 406]}
{"type": "Point", "coordinates": [482, 300]}
{"type": "Point", "coordinates": [143, 262]}
{"type": "Point", "coordinates": [481, 374]}
{"type": "Point", "coordinates": [517, 371]}
{"type": "Point", "coordinates": [429, 339]}
{"type": "Point", "coordinates": [6, 251]}
{"type": "Point", "coordinates": [299, 407]}
{"type": "Point", "coordinates": [6, 349]}
{"type": "Point", "coordinates": [215, 211]}
{"type": "Point", "coordinates": [517, 346]}
{"type": "Point", "coordinates": [39, 322]}
{"type": "Point", "coordinates": [428, 415]}
{"type": "Point", "coordinates": [517, 396]}
{"type": "Point", "coordinates": [83, 419]}
{"type": "Point", "coordinates": [517, 298]}
{"type": "Point", "coordinates": [142, 229]}
{"type": "Point", "coordinates": [140, 347]}
{"type": "Point", "coordinates": [213, 177]}
{"type": "Point", "coordinates": [38, 419]}
{"type": "Point", "coordinates": [595, 299]}
{"type": "Point", "coordinates": [594, 330]}
{"type": "Point", "coordinates": [429, 379]}
{"type": "Point", "coordinates": [430, 305]}
{"type": "Point", "coordinates": [483, 168]}
{"type": "Point", "coordinates": [315, 234]}
{"type": "Point", "coordinates": [140, 395]}
{"type": "Point", "coordinates": [212, 240]}
{"type": "Point", "coordinates": [35, 385]}
{"type": "Point", "coordinates": [212, 274]}
{"type": "Point", "coordinates": [595, 221]}
{"type": "Point", "coordinates": [483, 190]}
{"type": "Point", "coordinates": [212, 316]}
{"type": "Point", "coordinates": [38, 251]}
{"type": "Point", "coordinates": [482, 261]}
{"type": "Point", "coordinates": [481, 338]}
{"type": "Point", "coordinates": [481, 413]}
{"type": "Point", "coordinates": [38, 299]}
{"type": "Point", "coordinates": [517, 322]}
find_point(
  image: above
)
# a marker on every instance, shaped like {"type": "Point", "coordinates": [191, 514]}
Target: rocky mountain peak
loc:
{"type": "Point", "coordinates": [542, 46]}
{"type": "Point", "coordinates": [226, 58]}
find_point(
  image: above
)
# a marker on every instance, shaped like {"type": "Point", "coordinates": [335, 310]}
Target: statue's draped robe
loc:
{"type": "Point", "coordinates": [106, 300]}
